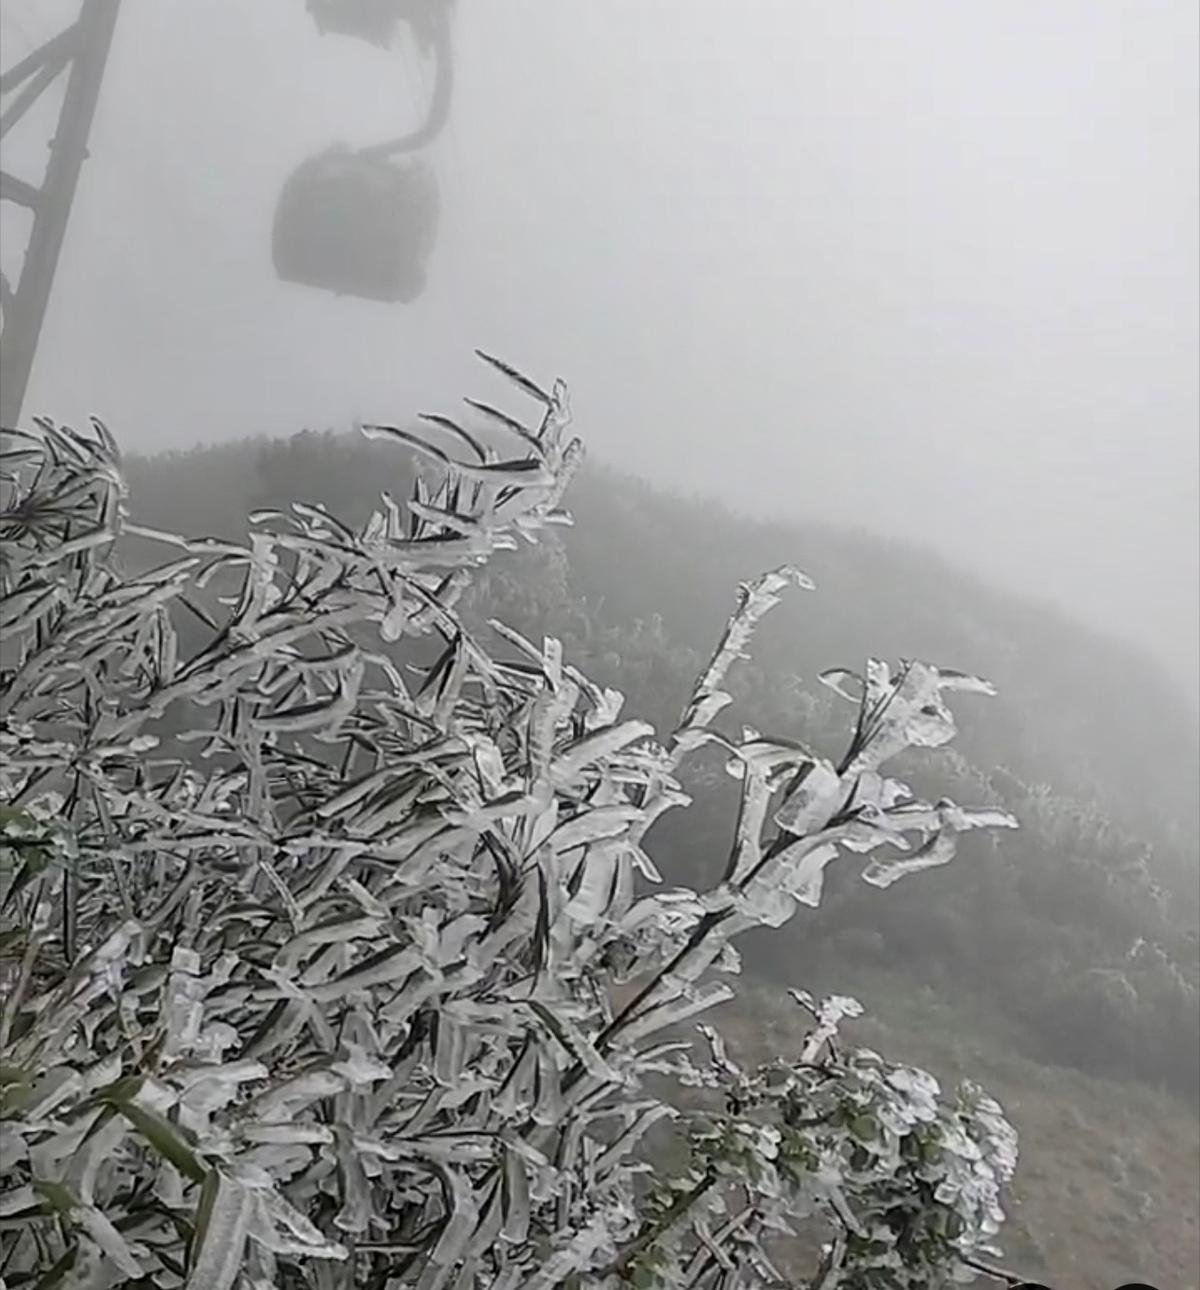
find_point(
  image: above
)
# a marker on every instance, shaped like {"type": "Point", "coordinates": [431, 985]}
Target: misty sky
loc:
{"type": "Point", "coordinates": [928, 268]}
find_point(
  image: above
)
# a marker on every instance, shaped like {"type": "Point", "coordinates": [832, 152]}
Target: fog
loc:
{"type": "Point", "coordinates": [928, 269]}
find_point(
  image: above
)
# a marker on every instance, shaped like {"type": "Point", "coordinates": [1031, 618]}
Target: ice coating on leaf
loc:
{"type": "Point", "coordinates": [221, 1239]}
{"type": "Point", "coordinates": [755, 599]}
{"type": "Point", "coordinates": [942, 824]}
{"type": "Point", "coordinates": [949, 679]}
{"type": "Point", "coordinates": [938, 850]}
{"type": "Point", "coordinates": [848, 685]}
{"type": "Point", "coordinates": [806, 880]}
{"type": "Point", "coordinates": [812, 799]}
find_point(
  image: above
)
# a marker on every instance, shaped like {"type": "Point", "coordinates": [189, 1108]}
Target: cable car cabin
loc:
{"type": "Point", "coordinates": [374, 21]}
{"type": "Point", "coordinates": [357, 225]}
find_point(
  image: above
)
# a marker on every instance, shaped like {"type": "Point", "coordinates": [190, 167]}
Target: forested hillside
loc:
{"type": "Point", "coordinates": [1079, 929]}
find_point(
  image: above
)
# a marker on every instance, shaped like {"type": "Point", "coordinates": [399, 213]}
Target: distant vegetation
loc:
{"type": "Point", "coordinates": [1081, 928]}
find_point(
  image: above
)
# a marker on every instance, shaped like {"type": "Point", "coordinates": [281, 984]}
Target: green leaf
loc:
{"type": "Point", "coordinates": [165, 1139]}
{"type": "Point", "coordinates": [57, 1197]}
{"type": "Point", "coordinates": [11, 1074]}
{"type": "Point", "coordinates": [119, 1091]}
{"type": "Point", "coordinates": [208, 1196]}
{"type": "Point", "coordinates": [864, 1127]}
{"type": "Point", "coordinates": [36, 858]}
{"type": "Point", "coordinates": [55, 1274]}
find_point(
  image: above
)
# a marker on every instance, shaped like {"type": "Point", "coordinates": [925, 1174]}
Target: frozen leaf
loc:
{"type": "Point", "coordinates": [811, 800]}
{"type": "Point", "coordinates": [847, 685]}
{"type": "Point", "coordinates": [222, 1223]}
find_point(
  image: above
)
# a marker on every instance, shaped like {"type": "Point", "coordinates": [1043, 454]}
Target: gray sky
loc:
{"type": "Point", "coordinates": [929, 268]}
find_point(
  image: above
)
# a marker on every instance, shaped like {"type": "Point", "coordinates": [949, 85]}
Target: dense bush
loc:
{"type": "Point", "coordinates": [355, 973]}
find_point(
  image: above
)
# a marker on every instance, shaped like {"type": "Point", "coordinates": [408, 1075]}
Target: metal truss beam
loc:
{"type": "Point", "coordinates": [83, 49]}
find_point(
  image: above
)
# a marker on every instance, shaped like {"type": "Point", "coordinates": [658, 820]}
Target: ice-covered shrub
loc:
{"type": "Point", "coordinates": [332, 951]}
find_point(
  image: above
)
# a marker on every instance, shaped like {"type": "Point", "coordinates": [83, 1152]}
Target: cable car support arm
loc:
{"type": "Point", "coordinates": [83, 47]}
